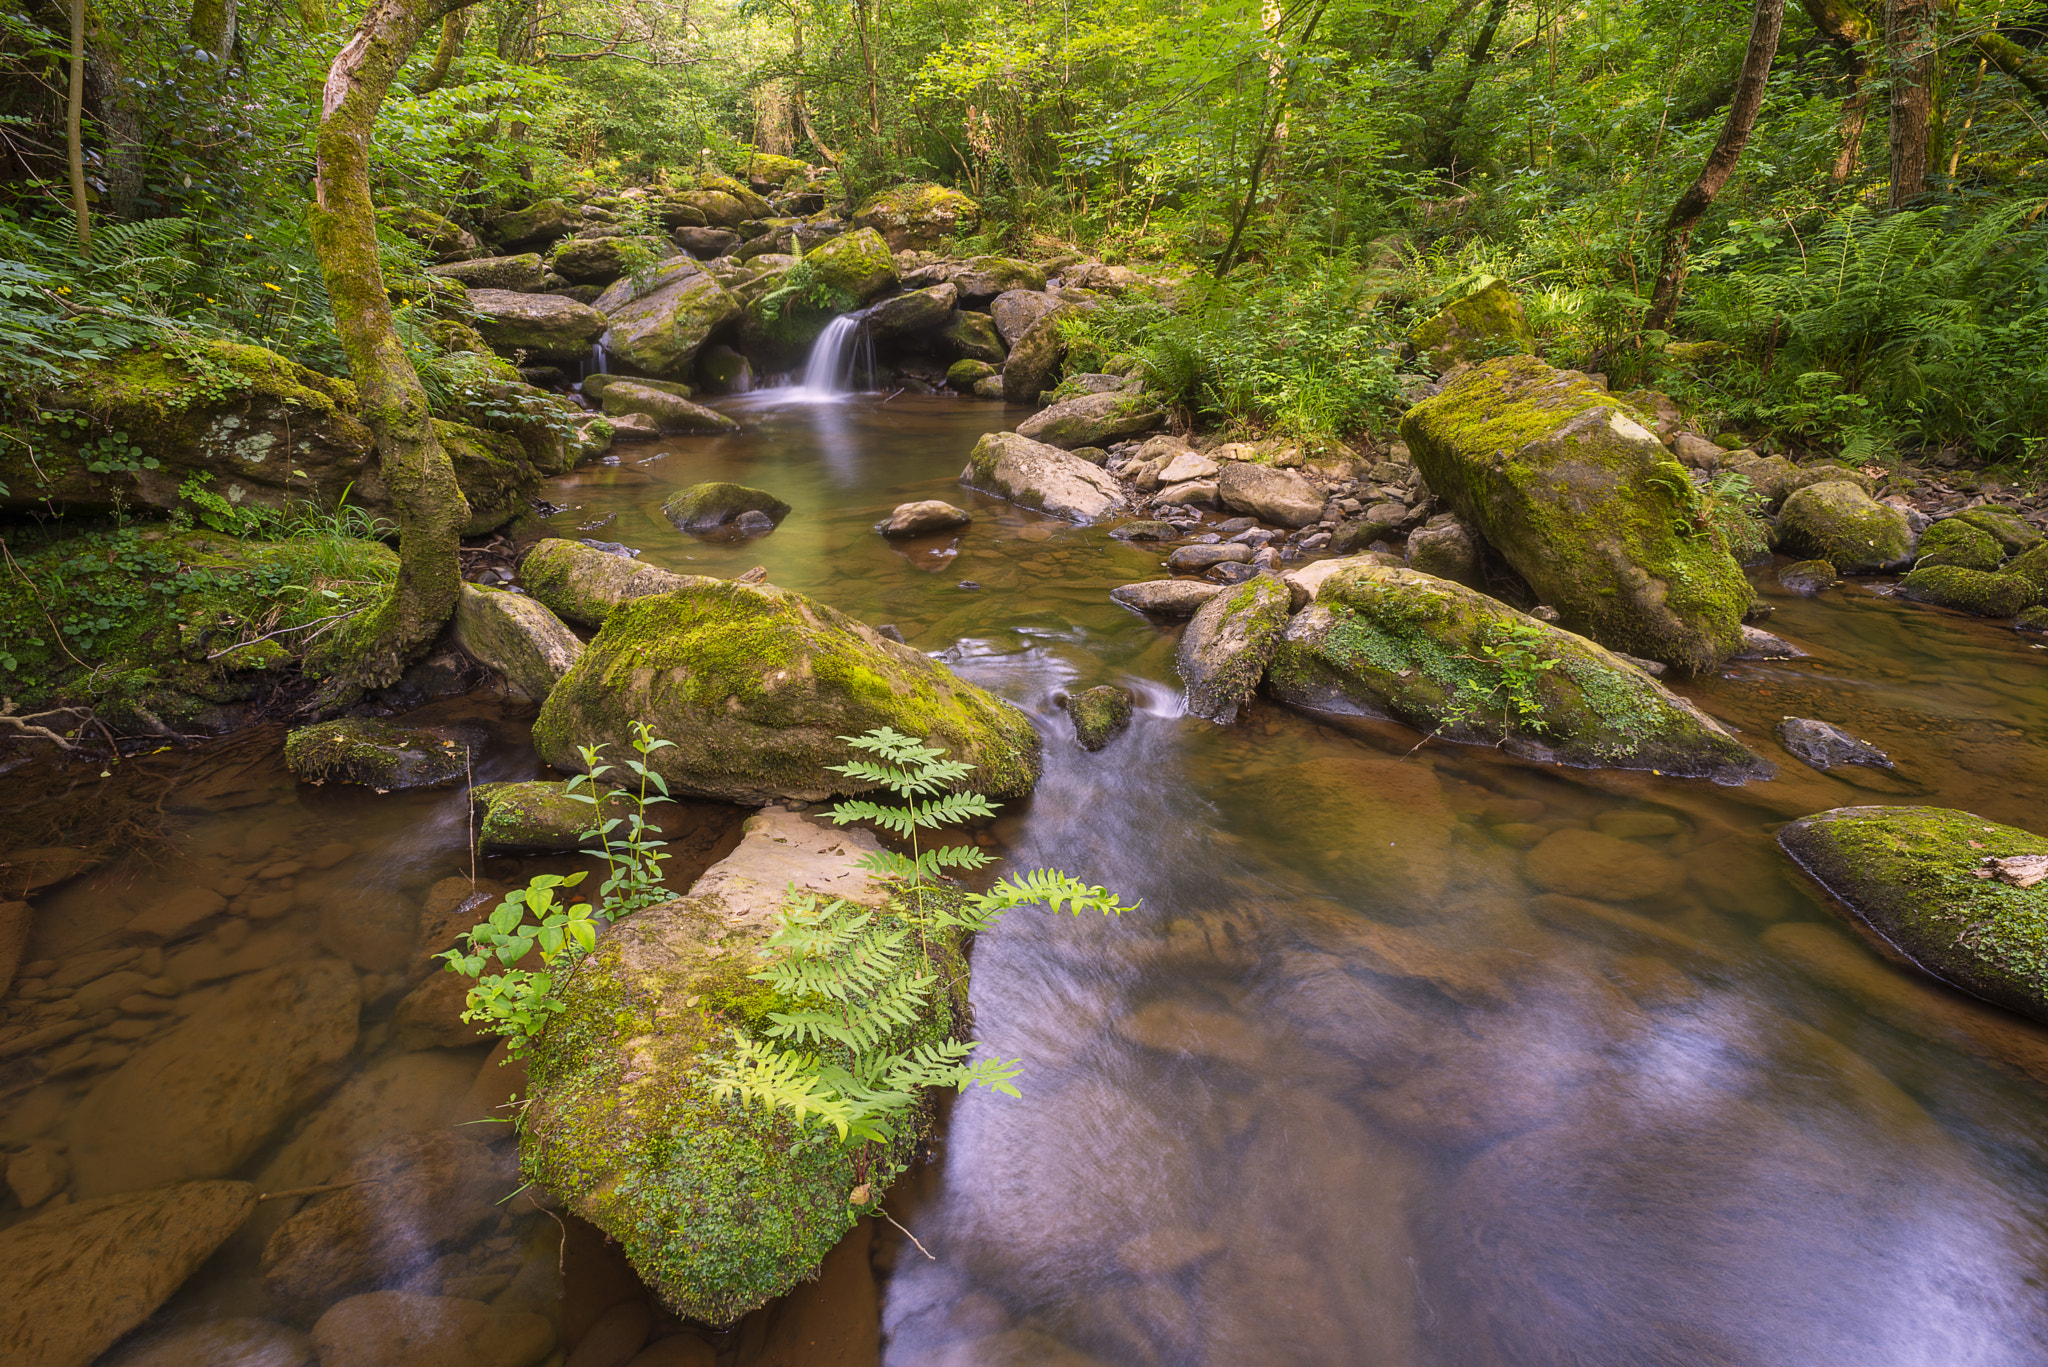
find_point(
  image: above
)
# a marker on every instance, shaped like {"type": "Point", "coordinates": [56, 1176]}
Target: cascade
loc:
{"type": "Point", "coordinates": [843, 355]}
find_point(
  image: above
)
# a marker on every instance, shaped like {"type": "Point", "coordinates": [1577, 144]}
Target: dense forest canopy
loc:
{"type": "Point", "coordinates": [1870, 277]}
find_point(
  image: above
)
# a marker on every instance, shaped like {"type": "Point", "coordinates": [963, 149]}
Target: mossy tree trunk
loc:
{"type": "Point", "coordinates": [1911, 45]}
{"type": "Point", "coordinates": [74, 128]}
{"type": "Point", "coordinates": [1845, 25]}
{"type": "Point", "coordinates": [427, 501]}
{"type": "Point", "coordinates": [2025, 68]}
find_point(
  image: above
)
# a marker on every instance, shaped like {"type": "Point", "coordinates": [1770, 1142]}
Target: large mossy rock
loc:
{"type": "Point", "coordinates": [917, 311]}
{"type": "Point", "coordinates": [2014, 534]}
{"type": "Point", "coordinates": [1929, 882]}
{"type": "Point", "coordinates": [755, 685]}
{"type": "Point", "coordinates": [1033, 363]}
{"type": "Point", "coordinates": [1486, 322]}
{"type": "Point", "coordinates": [972, 337]}
{"type": "Point", "coordinates": [516, 636]}
{"type": "Point", "coordinates": [711, 505]}
{"type": "Point", "coordinates": [1837, 522]}
{"type": "Point", "coordinates": [379, 754]}
{"type": "Point", "coordinates": [1973, 591]}
{"type": "Point", "coordinates": [1447, 660]}
{"type": "Point", "coordinates": [719, 1207]}
{"type": "Point", "coordinates": [535, 817]}
{"type": "Point", "coordinates": [1094, 419]}
{"type": "Point", "coordinates": [672, 413]}
{"type": "Point", "coordinates": [1587, 506]}
{"type": "Point", "coordinates": [917, 217]}
{"type": "Point", "coordinates": [582, 585]}
{"type": "Point", "coordinates": [661, 330]}
{"type": "Point", "coordinates": [521, 271]}
{"type": "Point", "coordinates": [538, 224]}
{"type": "Point", "coordinates": [1226, 647]}
{"type": "Point", "coordinates": [546, 327]}
{"type": "Point", "coordinates": [856, 266]}
{"type": "Point", "coordinates": [1032, 474]}
{"type": "Point", "coordinates": [445, 240]}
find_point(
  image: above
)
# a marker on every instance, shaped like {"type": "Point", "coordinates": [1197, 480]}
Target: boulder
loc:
{"type": "Point", "coordinates": [661, 330]}
{"type": "Point", "coordinates": [964, 375]}
{"type": "Point", "coordinates": [707, 507]}
{"type": "Point", "coordinates": [401, 1206]}
{"type": "Point", "coordinates": [981, 278]}
{"type": "Point", "coordinates": [1194, 559]}
{"type": "Point", "coordinates": [404, 1329]}
{"type": "Point", "coordinates": [74, 1279]}
{"type": "Point", "coordinates": [922, 519]}
{"type": "Point", "coordinates": [595, 387]}
{"type": "Point", "coordinates": [1034, 475]}
{"type": "Point", "coordinates": [1033, 364]}
{"type": "Point", "coordinates": [1013, 313]}
{"type": "Point", "coordinates": [217, 1343]}
{"type": "Point", "coordinates": [1953, 541]}
{"type": "Point", "coordinates": [743, 194]}
{"type": "Point", "coordinates": [1447, 550]}
{"type": "Point", "coordinates": [1165, 597]}
{"type": "Point", "coordinates": [1225, 649]}
{"type": "Point", "coordinates": [917, 311]}
{"type": "Point", "coordinates": [592, 260]}
{"type": "Point", "coordinates": [444, 239]}
{"type": "Point", "coordinates": [1484, 323]}
{"type": "Point", "coordinates": [377, 754]}
{"type": "Point", "coordinates": [917, 217]}
{"type": "Point", "coordinates": [718, 1207]}
{"type": "Point", "coordinates": [1838, 522]}
{"type": "Point", "coordinates": [2032, 566]}
{"type": "Point", "coordinates": [533, 817]}
{"type": "Point", "coordinates": [1452, 662]}
{"type": "Point", "coordinates": [1808, 577]}
{"type": "Point", "coordinates": [973, 337]}
{"type": "Point", "coordinates": [1277, 496]}
{"type": "Point", "coordinates": [2015, 536]}
{"type": "Point", "coordinates": [670, 412]}
{"type": "Point", "coordinates": [583, 585]}
{"type": "Point", "coordinates": [1972, 591]}
{"type": "Point", "coordinates": [1093, 419]}
{"type": "Point", "coordinates": [201, 1100]}
{"type": "Point", "coordinates": [620, 293]}
{"type": "Point", "coordinates": [1195, 492]}
{"type": "Point", "coordinates": [515, 636]}
{"type": "Point", "coordinates": [755, 684]}
{"type": "Point", "coordinates": [707, 243]}
{"type": "Point", "coordinates": [1184, 465]}
{"type": "Point", "coordinates": [1963, 898]}
{"type": "Point", "coordinates": [522, 272]}
{"type": "Point", "coordinates": [856, 266]}
{"type": "Point", "coordinates": [536, 225]}
{"type": "Point", "coordinates": [1775, 478]}
{"type": "Point", "coordinates": [1587, 506]}
{"type": "Point", "coordinates": [1823, 745]}
{"type": "Point", "coordinates": [1100, 714]}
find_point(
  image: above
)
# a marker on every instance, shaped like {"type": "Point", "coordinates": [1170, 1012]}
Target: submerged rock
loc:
{"type": "Point", "coordinates": [1587, 506]}
{"type": "Point", "coordinates": [1823, 745]}
{"type": "Point", "coordinates": [378, 754]}
{"type": "Point", "coordinates": [1808, 577]}
{"type": "Point", "coordinates": [404, 1329]}
{"type": "Point", "coordinates": [754, 684]}
{"type": "Point", "coordinates": [1093, 419]}
{"type": "Point", "coordinates": [583, 585]}
{"type": "Point", "coordinates": [1964, 898]}
{"type": "Point", "coordinates": [1100, 714]}
{"type": "Point", "coordinates": [1838, 522]}
{"type": "Point", "coordinates": [75, 1279]}
{"type": "Point", "coordinates": [1449, 661]}
{"type": "Point", "coordinates": [516, 636]}
{"type": "Point", "coordinates": [531, 817]}
{"type": "Point", "coordinates": [1972, 591]}
{"type": "Point", "coordinates": [1034, 475]}
{"type": "Point", "coordinates": [922, 519]}
{"type": "Point", "coordinates": [238, 1342]}
{"type": "Point", "coordinates": [707, 507]}
{"type": "Point", "coordinates": [1226, 647]}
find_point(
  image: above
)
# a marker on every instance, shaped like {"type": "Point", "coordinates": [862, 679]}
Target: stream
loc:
{"type": "Point", "coordinates": [1410, 1055]}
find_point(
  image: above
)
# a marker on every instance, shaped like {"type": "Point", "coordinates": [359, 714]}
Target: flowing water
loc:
{"type": "Point", "coordinates": [1410, 1056]}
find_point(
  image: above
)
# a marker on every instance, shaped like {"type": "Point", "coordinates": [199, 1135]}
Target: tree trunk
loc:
{"type": "Point", "coordinates": [74, 128]}
{"type": "Point", "coordinates": [1767, 21]}
{"type": "Point", "coordinates": [1910, 44]}
{"type": "Point", "coordinates": [212, 28]}
{"type": "Point", "coordinates": [2024, 68]}
{"type": "Point", "coordinates": [1845, 25]}
{"type": "Point", "coordinates": [430, 509]}
{"type": "Point", "coordinates": [445, 52]}
{"type": "Point", "coordinates": [1482, 48]}
{"type": "Point", "coordinates": [1282, 83]}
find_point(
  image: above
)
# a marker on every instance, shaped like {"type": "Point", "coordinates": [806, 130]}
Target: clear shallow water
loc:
{"type": "Point", "coordinates": [1434, 1058]}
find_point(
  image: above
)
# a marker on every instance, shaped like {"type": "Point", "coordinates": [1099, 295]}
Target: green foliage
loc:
{"type": "Point", "coordinates": [1511, 660]}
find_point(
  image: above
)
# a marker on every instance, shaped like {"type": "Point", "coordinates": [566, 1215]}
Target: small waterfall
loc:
{"type": "Point", "coordinates": [598, 362]}
{"type": "Point", "coordinates": [843, 355]}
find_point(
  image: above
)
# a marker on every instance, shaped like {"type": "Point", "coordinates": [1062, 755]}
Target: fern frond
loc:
{"type": "Point", "coordinates": [952, 809]}
{"type": "Point", "coordinates": [1053, 889]}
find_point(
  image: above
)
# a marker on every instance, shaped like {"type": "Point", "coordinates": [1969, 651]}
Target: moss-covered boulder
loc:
{"type": "Point", "coordinates": [2030, 565]}
{"type": "Point", "coordinates": [756, 685]}
{"type": "Point", "coordinates": [661, 329]}
{"type": "Point", "coordinates": [2014, 534]}
{"type": "Point", "coordinates": [1100, 714]}
{"type": "Point", "coordinates": [964, 374]}
{"type": "Point", "coordinates": [1452, 662]}
{"type": "Point", "coordinates": [856, 265]}
{"type": "Point", "coordinates": [1094, 419]}
{"type": "Point", "coordinates": [980, 279]}
{"type": "Point", "coordinates": [1032, 474]}
{"type": "Point", "coordinates": [973, 337]}
{"type": "Point", "coordinates": [1485, 322]}
{"type": "Point", "coordinates": [582, 584]}
{"type": "Point", "coordinates": [1972, 591]}
{"type": "Point", "coordinates": [520, 271]}
{"type": "Point", "coordinates": [545, 326]}
{"type": "Point", "coordinates": [1587, 506]}
{"type": "Point", "coordinates": [670, 412]}
{"type": "Point", "coordinates": [715, 503]}
{"type": "Point", "coordinates": [380, 754]}
{"type": "Point", "coordinates": [444, 239]}
{"type": "Point", "coordinates": [1960, 896]}
{"type": "Point", "coordinates": [1775, 479]}
{"type": "Point", "coordinates": [767, 168]}
{"type": "Point", "coordinates": [718, 183]}
{"type": "Point", "coordinates": [1953, 541]}
{"type": "Point", "coordinates": [1032, 365]}
{"type": "Point", "coordinates": [494, 471]}
{"type": "Point", "coordinates": [917, 217]}
{"type": "Point", "coordinates": [1839, 523]}
{"type": "Point", "coordinates": [913, 312]}
{"type": "Point", "coordinates": [719, 1207]}
{"type": "Point", "coordinates": [536, 225]}
{"type": "Point", "coordinates": [1225, 649]}
{"type": "Point", "coordinates": [535, 817]}
{"type": "Point", "coordinates": [516, 637]}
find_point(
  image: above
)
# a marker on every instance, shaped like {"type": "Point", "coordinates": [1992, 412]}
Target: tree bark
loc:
{"type": "Point", "coordinates": [1482, 48]}
{"type": "Point", "coordinates": [1911, 47]}
{"type": "Point", "coordinates": [212, 28]}
{"type": "Point", "coordinates": [74, 128]}
{"type": "Point", "coordinates": [1280, 85]}
{"type": "Point", "coordinates": [445, 52]}
{"type": "Point", "coordinates": [2024, 68]}
{"type": "Point", "coordinates": [1767, 21]}
{"type": "Point", "coordinates": [430, 509]}
{"type": "Point", "coordinates": [1845, 25]}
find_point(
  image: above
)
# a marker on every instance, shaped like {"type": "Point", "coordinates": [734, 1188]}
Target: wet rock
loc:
{"type": "Point", "coordinates": [378, 754]}
{"type": "Point", "coordinates": [1589, 864]}
{"type": "Point", "coordinates": [973, 337]}
{"type": "Point", "coordinates": [754, 683]}
{"type": "Point", "coordinates": [923, 518]}
{"type": "Point", "coordinates": [1809, 577]}
{"type": "Point", "coordinates": [37, 1173]}
{"type": "Point", "coordinates": [544, 326]}
{"type": "Point", "coordinates": [2034, 620]}
{"type": "Point", "coordinates": [1165, 597]}
{"type": "Point", "coordinates": [615, 1338]}
{"type": "Point", "coordinates": [1226, 646]}
{"type": "Point", "coordinates": [401, 1329]}
{"type": "Point", "coordinates": [1585, 504]}
{"type": "Point", "coordinates": [1839, 523]}
{"type": "Point", "coordinates": [399, 1208]}
{"type": "Point", "coordinates": [1762, 645]}
{"type": "Point", "coordinates": [1195, 559]}
{"type": "Point", "coordinates": [522, 272]}
{"type": "Point", "coordinates": [709, 506]}
{"type": "Point", "coordinates": [1390, 642]}
{"type": "Point", "coordinates": [1093, 419]}
{"type": "Point", "coordinates": [706, 243]}
{"type": "Point", "coordinates": [1100, 714]}
{"type": "Point", "coordinates": [583, 585]}
{"type": "Point", "coordinates": [988, 387]}
{"type": "Point", "coordinates": [2013, 533]}
{"type": "Point", "coordinates": [1193, 493]}
{"type": "Point", "coordinates": [532, 817]}
{"type": "Point", "coordinates": [660, 330]}
{"type": "Point", "coordinates": [670, 412]}
{"type": "Point", "coordinates": [917, 311]}
{"type": "Point", "coordinates": [75, 1279]}
{"type": "Point", "coordinates": [1953, 541]}
{"type": "Point", "coordinates": [1931, 882]}
{"type": "Point", "coordinates": [1147, 531]}
{"type": "Point", "coordinates": [1485, 322]}
{"type": "Point", "coordinates": [1824, 745]}
{"type": "Point", "coordinates": [217, 1343]}
{"type": "Point", "coordinates": [1034, 475]}
{"type": "Point", "coordinates": [634, 427]}
{"type": "Point", "coordinates": [857, 264]}
{"type": "Point", "coordinates": [516, 636]}
{"type": "Point", "coordinates": [1971, 591]}
{"type": "Point", "coordinates": [201, 1100]}
{"type": "Point", "coordinates": [1277, 496]}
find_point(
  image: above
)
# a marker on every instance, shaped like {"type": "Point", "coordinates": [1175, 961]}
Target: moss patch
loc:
{"type": "Point", "coordinates": [1227, 645]}
{"type": "Point", "coordinates": [1837, 522]}
{"type": "Point", "coordinates": [1974, 591]}
{"type": "Point", "coordinates": [1486, 322]}
{"type": "Point", "coordinates": [378, 754]}
{"type": "Point", "coordinates": [702, 507]}
{"type": "Point", "coordinates": [1953, 541]}
{"type": "Point", "coordinates": [1100, 714]}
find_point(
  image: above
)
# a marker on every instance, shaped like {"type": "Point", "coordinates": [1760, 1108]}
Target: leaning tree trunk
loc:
{"type": "Point", "coordinates": [1844, 24]}
{"type": "Point", "coordinates": [1766, 23]}
{"type": "Point", "coordinates": [1911, 46]}
{"type": "Point", "coordinates": [425, 498]}
{"type": "Point", "coordinates": [74, 129]}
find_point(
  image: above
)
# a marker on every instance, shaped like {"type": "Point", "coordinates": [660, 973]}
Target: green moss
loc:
{"type": "Point", "coordinates": [1226, 648]}
{"type": "Point", "coordinates": [1974, 591]}
{"type": "Point", "coordinates": [493, 469]}
{"type": "Point", "coordinates": [146, 390]}
{"type": "Point", "coordinates": [2012, 532]}
{"type": "Point", "coordinates": [962, 374]}
{"type": "Point", "coordinates": [715, 503]}
{"type": "Point", "coordinates": [1838, 522]}
{"type": "Point", "coordinates": [2032, 566]}
{"type": "Point", "coordinates": [520, 818]}
{"type": "Point", "coordinates": [1953, 541]}
{"type": "Point", "coordinates": [376, 754]}
{"type": "Point", "coordinates": [1486, 322]}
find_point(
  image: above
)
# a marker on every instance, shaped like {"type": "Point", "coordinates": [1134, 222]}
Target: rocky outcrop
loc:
{"type": "Point", "coordinates": [660, 330]}
{"type": "Point", "coordinates": [1485, 322]}
{"type": "Point", "coordinates": [1587, 506]}
{"type": "Point", "coordinates": [1964, 898]}
{"type": "Point", "coordinates": [1226, 647]}
{"type": "Point", "coordinates": [546, 327]}
{"type": "Point", "coordinates": [755, 684]}
{"type": "Point", "coordinates": [1838, 522]}
{"type": "Point", "coordinates": [917, 217]}
{"type": "Point", "coordinates": [1452, 662]}
{"type": "Point", "coordinates": [1032, 474]}
{"type": "Point", "coordinates": [583, 585]}
{"type": "Point", "coordinates": [378, 754]}
{"type": "Point", "coordinates": [672, 413]}
{"type": "Point", "coordinates": [515, 636]}
{"type": "Point", "coordinates": [1093, 419]}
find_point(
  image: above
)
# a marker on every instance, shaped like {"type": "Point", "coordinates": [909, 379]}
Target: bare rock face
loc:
{"type": "Point", "coordinates": [401, 1329]}
{"type": "Point", "coordinates": [75, 1279]}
